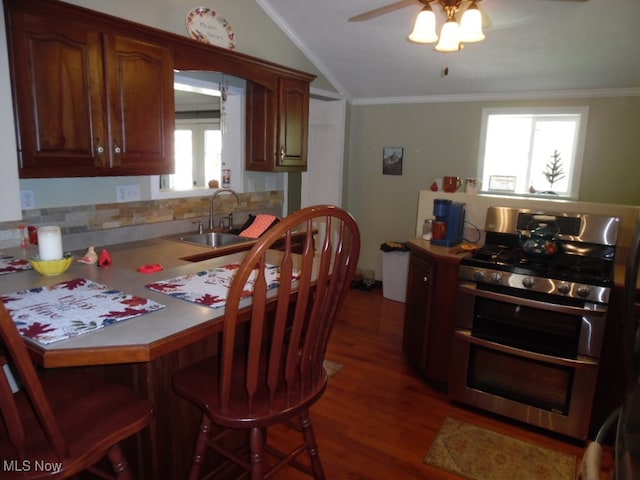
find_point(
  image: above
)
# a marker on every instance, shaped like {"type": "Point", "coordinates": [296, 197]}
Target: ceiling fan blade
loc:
{"type": "Point", "coordinates": [376, 12]}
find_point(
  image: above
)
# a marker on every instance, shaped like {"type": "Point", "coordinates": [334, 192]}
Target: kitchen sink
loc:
{"type": "Point", "coordinates": [216, 239]}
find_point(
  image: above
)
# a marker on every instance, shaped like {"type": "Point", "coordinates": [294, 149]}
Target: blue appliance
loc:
{"type": "Point", "coordinates": [453, 214]}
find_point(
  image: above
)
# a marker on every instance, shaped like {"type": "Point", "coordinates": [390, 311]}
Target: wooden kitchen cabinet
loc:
{"type": "Point", "coordinates": [89, 101]}
{"type": "Point", "coordinates": [277, 126]}
{"type": "Point", "coordinates": [93, 94]}
{"type": "Point", "coordinates": [293, 121]}
{"type": "Point", "coordinates": [429, 312]}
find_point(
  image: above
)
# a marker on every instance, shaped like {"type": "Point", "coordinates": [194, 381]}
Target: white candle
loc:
{"type": "Point", "coordinates": [49, 243]}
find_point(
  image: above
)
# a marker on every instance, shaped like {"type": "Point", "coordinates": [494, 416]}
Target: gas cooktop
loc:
{"type": "Point", "coordinates": [580, 265]}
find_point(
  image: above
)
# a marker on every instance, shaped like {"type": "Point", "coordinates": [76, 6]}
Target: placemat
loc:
{"type": "Point", "coordinates": [9, 264]}
{"type": "Point", "coordinates": [72, 308]}
{"type": "Point", "coordinates": [211, 287]}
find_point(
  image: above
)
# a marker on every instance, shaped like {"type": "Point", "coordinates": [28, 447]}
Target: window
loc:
{"type": "Point", "coordinates": [198, 147]}
{"type": "Point", "coordinates": [532, 151]}
{"type": "Point", "coordinates": [209, 136]}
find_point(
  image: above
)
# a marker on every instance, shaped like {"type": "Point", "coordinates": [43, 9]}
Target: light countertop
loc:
{"type": "Point", "coordinates": [141, 338]}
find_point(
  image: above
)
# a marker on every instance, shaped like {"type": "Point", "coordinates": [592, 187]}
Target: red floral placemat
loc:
{"type": "Point", "coordinates": [9, 264]}
{"type": "Point", "coordinates": [211, 287]}
{"type": "Point", "coordinates": [72, 308]}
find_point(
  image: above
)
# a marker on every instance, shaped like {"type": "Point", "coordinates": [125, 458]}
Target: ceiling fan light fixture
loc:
{"type": "Point", "coordinates": [471, 25]}
{"type": "Point", "coordinates": [449, 37]}
{"type": "Point", "coordinates": [424, 28]}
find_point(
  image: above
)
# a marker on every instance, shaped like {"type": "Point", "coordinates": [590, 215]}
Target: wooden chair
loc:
{"type": "Point", "coordinates": [61, 422]}
{"type": "Point", "coordinates": [272, 371]}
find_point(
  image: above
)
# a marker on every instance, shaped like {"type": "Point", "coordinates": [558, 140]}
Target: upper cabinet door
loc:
{"type": "Point", "coordinates": [57, 72]}
{"type": "Point", "coordinates": [89, 103]}
{"type": "Point", "coordinates": [140, 101]}
{"type": "Point", "coordinates": [293, 123]}
{"type": "Point", "coordinates": [261, 127]}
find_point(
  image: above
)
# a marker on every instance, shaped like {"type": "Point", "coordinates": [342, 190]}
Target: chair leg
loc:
{"type": "Point", "coordinates": [312, 446]}
{"type": "Point", "coordinates": [119, 463]}
{"type": "Point", "coordinates": [200, 448]}
{"type": "Point", "coordinates": [256, 439]}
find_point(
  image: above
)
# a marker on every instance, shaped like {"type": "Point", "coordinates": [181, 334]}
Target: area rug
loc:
{"type": "Point", "coordinates": [478, 454]}
{"type": "Point", "coordinates": [332, 367]}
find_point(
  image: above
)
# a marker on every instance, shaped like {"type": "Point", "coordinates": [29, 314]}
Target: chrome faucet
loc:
{"type": "Point", "coordinates": [213, 197]}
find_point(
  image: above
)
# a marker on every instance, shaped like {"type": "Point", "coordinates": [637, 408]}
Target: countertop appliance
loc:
{"type": "Point", "coordinates": [530, 322]}
{"type": "Point", "coordinates": [452, 214]}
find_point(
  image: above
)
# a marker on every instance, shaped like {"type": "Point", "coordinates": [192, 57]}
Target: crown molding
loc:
{"type": "Point", "coordinates": [473, 97]}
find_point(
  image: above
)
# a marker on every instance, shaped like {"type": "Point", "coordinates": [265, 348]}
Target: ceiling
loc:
{"type": "Point", "coordinates": [533, 46]}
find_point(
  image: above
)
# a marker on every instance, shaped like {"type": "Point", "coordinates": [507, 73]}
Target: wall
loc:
{"type": "Point", "coordinates": [443, 139]}
{"type": "Point", "coordinates": [256, 34]}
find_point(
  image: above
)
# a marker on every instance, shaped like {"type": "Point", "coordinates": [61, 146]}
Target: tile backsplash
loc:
{"type": "Point", "coordinates": [127, 221]}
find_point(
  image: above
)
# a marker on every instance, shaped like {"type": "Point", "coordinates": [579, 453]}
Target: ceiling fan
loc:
{"type": "Point", "coordinates": [464, 22]}
{"type": "Point", "coordinates": [392, 7]}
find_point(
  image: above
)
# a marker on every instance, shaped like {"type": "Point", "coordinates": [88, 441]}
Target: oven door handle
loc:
{"type": "Point", "coordinates": [580, 362]}
{"type": "Point", "coordinates": [471, 289]}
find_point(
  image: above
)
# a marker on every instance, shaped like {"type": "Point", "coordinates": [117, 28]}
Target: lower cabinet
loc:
{"type": "Point", "coordinates": [429, 312]}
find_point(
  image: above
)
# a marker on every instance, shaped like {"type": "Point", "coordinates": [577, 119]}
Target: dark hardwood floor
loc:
{"type": "Point", "coordinates": [378, 417]}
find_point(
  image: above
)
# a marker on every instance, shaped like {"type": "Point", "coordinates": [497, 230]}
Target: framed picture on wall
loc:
{"type": "Point", "coordinates": [392, 160]}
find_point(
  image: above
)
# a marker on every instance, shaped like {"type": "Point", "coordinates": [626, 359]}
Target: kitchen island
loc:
{"type": "Point", "coordinates": [142, 352]}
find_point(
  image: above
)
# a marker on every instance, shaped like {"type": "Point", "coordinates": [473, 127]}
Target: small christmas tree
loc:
{"type": "Point", "coordinates": [553, 171]}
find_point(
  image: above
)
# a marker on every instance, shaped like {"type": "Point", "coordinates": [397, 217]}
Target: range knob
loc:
{"type": "Point", "coordinates": [528, 282]}
{"type": "Point", "coordinates": [583, 291]}
{"type": "Point", "coordinates": [478, 275]}
{"type": "Point", "coordinates": [496, 277]}
{"type": "Point", "coordinates": [564, 288]}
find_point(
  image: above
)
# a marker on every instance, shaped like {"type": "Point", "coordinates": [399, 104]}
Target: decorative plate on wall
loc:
{"type": "Point", "coordinates": [207, 26]}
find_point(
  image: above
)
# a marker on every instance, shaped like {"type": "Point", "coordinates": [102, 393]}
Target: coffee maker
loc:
{"type": "Point", "coordinates": [451, 213]}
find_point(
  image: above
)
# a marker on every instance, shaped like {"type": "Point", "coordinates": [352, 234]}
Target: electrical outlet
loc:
{"type": "Point", "coordinates": [27, 199]}
{"type": "Point", "coordinates": [128, 193]}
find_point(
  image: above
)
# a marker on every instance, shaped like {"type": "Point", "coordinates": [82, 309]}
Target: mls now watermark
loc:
{"type": "Point", "coordinates": [31, 466]}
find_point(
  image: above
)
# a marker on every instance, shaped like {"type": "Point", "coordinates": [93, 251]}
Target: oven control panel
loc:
{"type": "Point", "coordinates": [550, 286]}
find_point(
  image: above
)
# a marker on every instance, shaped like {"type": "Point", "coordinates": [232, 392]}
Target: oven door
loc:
{"type": "Point", "coordinates": [525, 359]}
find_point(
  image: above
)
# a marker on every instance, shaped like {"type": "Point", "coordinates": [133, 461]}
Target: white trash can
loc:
{"type": "Point", "coordinates": [395, 269]}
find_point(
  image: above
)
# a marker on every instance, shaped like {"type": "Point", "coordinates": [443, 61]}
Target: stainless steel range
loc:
{"type": "Point", "coordinates": [530, 317]}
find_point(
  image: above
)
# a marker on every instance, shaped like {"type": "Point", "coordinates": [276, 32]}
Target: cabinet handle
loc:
{"type": "Point", "coordinates": [425, 279]}
{"type": "Point", "coordinates": [116, 153]}
{"type": "Point", "coordinates": [282, 153]}
{"type": "Point", "coordinates": [98, 161]}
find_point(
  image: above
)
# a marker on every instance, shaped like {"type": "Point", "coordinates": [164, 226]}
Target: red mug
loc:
{"type": "Point", "coordinates": [451, 184]}
{"type": "Point", "coordinates": [438, 230]}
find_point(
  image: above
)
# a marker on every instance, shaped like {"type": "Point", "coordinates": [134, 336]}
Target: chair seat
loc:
{"type": "Point", "coordinates": [92, 417]}
{"type": "Point", "coordinates": [199, 384]}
